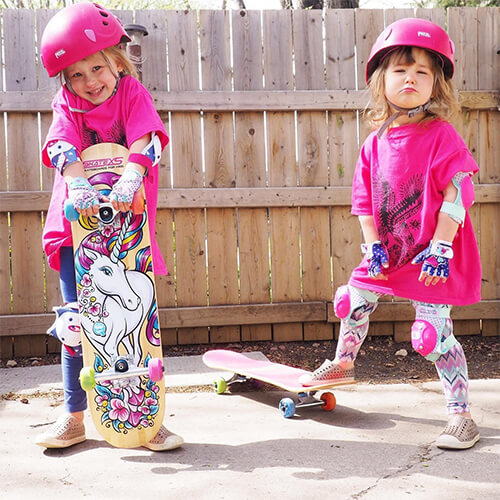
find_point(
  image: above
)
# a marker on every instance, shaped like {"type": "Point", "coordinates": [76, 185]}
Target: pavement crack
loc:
{"type": "Point", "coordinates": [423, 454]}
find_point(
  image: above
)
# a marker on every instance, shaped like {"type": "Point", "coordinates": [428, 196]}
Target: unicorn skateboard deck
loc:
{"type": "Point", "coordinates": [121, 343]}
{"type": "Point", "coordinates": [285, 377]}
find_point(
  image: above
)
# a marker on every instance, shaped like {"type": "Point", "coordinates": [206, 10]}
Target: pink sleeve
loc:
{"type": "Point", "coordinates": [361, 184]}
{"type": "Point", "coordinates": [142, 115]}
{"type": "Point", "coordinates": [453, 157]}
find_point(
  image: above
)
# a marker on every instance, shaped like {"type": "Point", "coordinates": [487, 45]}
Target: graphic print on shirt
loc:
{"type": "Point", "coordinates": [397, 212]}
{"type": "Point", "coordinates": [115, 134]}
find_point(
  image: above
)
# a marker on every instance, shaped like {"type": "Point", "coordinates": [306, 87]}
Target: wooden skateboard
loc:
{"type": "Point", "coordinates": [285, 377]}
{"type": "Point", "coordinates": [121, 343]}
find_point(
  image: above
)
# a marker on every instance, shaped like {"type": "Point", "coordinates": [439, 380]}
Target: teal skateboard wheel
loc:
{"type": "Point", "coordinates": [287, 407]}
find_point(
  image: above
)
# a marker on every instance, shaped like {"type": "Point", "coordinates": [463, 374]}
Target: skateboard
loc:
{"type": "Point", "coordinates": [121, 344]}
{"type": "Point", "coordinates": [285, 377]}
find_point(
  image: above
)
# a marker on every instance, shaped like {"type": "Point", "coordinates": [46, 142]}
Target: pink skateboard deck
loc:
{"type": "Point", "coordinates": [282, 376]}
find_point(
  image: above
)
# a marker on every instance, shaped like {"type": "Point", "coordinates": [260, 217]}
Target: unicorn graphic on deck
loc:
{"type": "Point", "coordinates": [115, 302]}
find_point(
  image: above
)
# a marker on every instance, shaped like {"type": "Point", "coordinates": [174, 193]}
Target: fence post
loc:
{"type": "Point", "coordinates": [134, 50]}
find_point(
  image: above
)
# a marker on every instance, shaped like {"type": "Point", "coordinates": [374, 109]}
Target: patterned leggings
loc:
{"type": "Point", "coordinates": [451, 366]}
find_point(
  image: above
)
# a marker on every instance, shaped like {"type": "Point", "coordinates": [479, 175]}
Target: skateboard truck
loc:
{"type": "Point", "coordinates": [287, 406]}
{"type": "Point", "coordinates": [107, 213]}
{"type": "Point", "coordinates": [121, 372]}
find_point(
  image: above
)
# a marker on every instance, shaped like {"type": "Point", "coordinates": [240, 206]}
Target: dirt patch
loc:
{"type": "Point", "coordinates": [377, 361]}
{"type": "Point", "coordinates": [380, 359]}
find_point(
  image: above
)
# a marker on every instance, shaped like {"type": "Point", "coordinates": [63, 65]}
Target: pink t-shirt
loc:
{"type": "Point", "coordinates": [399, 179]}
{"type": "Point", "coordinates": [123, 118]}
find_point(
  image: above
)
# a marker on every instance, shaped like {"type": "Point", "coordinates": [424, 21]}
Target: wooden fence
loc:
{"type": "Point", "coordinates": [263, 113]}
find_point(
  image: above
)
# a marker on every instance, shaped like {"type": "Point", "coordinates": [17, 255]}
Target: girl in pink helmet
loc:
{"type": "Point", "coordinates": [100, 100]}
{"type": "Point", "coordinates": [411, 191]}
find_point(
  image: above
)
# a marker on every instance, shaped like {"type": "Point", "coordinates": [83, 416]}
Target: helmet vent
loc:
{"type": "Point", "coordinates": [90, 35]}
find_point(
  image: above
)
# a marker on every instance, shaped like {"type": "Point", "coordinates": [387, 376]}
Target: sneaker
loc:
{"type": "Point", "coordinates": [328, 372]}
{"type": "Point", "coordinates": [164, 440]}
{"type": "Point", "coordinates": [460, 433]}
{"type": "Point", "coordinates": [65, 432]}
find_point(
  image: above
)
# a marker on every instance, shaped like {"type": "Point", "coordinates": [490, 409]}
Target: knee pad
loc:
{"type": "Point", "coordinates": [66, 327]}
{"type": "Point", "coordinates": [354, 304]}
{"type": "Point", "coordinates": [427, 331]}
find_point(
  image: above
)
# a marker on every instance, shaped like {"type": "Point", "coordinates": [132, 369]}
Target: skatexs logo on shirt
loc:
{"type": "Point", "coordinates": [103, 162]}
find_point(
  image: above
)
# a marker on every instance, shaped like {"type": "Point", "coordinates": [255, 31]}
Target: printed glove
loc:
{"type": "Point", "coordinates": [377, 258]}
{"type": "Point", "coordinates": [435, 261]}
{"type": "Point", "coordinates": [82, 194]}
{"type": "Point", "coordinates": [123, 191]}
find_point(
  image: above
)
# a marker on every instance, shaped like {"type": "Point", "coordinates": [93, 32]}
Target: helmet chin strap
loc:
{"type": "Point", "coordinates": [402, 111]}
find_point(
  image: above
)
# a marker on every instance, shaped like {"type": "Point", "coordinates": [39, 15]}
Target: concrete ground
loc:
{"type": "Point", "coordinates": [377, 443]}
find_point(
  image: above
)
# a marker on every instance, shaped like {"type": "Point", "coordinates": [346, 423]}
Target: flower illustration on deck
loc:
{"type": "Point", "coordinates": [86, 280]}
{"type": "Point", "coordinates": [119, 410]}
{"type": "Point", "coordinates": [95, 309]}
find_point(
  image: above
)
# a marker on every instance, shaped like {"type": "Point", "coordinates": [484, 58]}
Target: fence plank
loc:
{"type": "Point", "coordinates": [321, 196]}
{"type": "Point", "coordinates": [256, 100]}
{"type": "Point", "coordinates": [462, 28]}
{"type": "Point", "coordinates": [285, 312]}
{"type": "Point", "coordinates": [219, 169]}
{"type": "Point", "coordinates": [24, 174]}
{"type": "Point", "coordinates": [284, 222]}
{"type": "Point", "coordinates": [250, 160]}
{"type": "Point", "coordinates": [47, 84]}
{"type": "Point", "coordinates": [190, 271]}
{"type": "Point", "coordinates": [313, 167]}
{"type": "Point", "coordinates": [154, 78]}
{"type": "Point", "coordinates": [489, 152]}
{"type": "Point", "coordinates": [6, 343]}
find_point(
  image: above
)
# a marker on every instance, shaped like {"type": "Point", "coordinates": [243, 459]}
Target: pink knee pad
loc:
{"type": "Point", "coordinates": [342, 302]}
{"type": "Point", "coordinates": [423, 337]}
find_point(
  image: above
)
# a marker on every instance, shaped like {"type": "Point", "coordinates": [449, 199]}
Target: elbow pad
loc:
{"type": "Point", "coordinates": [61, 154]}
{"type": "Point", "coordinates": [464, 200]}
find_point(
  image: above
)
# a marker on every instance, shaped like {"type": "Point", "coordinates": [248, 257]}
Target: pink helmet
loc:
{"type": "Point", "coordinates": [76, 32]}
{"type": "Point", "coordinates": [413, 32]}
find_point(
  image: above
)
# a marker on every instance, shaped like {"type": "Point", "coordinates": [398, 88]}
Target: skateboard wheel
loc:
{"type": "Point", "coordinates": [70, 212]}
{"type": "Point", "coordinates": [121, 366]}
{"type": "Point", "coordinates": [138, 204]}
{"type": "Point", "coordinates": [155, 369]}
{"type": "Point", "coordinates": [329, 401]}
{"type": "Point", "coordinates": [220, 385]}
{"type": "Point", "coordinates": [87, 378]}
{"type": "Point", "coordinates": [287, 407]}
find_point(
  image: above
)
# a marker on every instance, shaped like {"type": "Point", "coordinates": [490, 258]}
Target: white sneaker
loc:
{"type": "Point", "coordinates": [65, 432]}
{"type": "Point", "coordinates": [459, 434]}
{"type": "Point", "coordinates": [328, 372]}
{"type": "Point", "coordinates": [164, 441]}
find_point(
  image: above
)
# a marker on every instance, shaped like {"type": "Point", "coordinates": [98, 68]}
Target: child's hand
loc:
{"type": "Point", "coordinates": [436, 262]}
{"type": "Point", "coordinates": [83, 196]}
{"type": "Point", "coordinates": [123, 191]}
{"type": "Point", "coordinates": [377, 259]}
